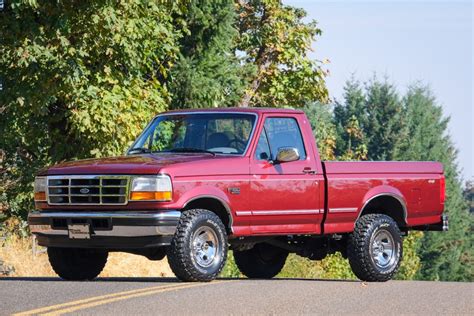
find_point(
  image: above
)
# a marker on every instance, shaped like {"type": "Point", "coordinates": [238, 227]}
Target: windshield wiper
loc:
{"type": "Point", "coordinates": [139, 150]}
{"type": "Point", "coordinates": [191, 150]}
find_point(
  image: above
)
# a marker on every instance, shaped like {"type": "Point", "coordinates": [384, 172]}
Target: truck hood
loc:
{"type": "Point", "coordinates": [135, 164]}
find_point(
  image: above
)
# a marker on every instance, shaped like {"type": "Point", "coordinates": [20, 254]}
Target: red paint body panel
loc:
{"type": "Point", "coordinates": [277, 199]}
{"type": "Point", "coordinates": [383, 167]}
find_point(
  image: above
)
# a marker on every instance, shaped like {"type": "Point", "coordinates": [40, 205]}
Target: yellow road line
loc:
{"type": "Point", "coordinates": [95, 298]}
{"type": "Point", "coordinates": [119, 298]}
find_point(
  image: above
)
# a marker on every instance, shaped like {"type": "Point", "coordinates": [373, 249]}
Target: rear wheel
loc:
{"type": "Point", "coordinates": [375, 248]}
{"type": "Point", "coordinates": [77, 264]}
{"type": "Point", "coordinates": [198, 250]}
{"type": "Point", "coordinates": [263, 261]}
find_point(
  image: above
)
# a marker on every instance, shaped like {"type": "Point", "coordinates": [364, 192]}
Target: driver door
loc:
{"type": "Point", "coordinates": [285, 197]}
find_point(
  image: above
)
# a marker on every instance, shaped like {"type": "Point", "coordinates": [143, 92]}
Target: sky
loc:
{"type": "Point", "coordinates": [409, 41]}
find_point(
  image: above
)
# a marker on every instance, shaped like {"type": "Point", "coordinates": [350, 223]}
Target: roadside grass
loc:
{"type": "Point", "coordinates": [17, 252]}
{"type": "Point", "coordinates": [333, 267]}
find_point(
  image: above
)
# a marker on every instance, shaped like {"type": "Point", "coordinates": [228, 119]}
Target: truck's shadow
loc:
{"type": "Point", "coordinates": [160, 279]}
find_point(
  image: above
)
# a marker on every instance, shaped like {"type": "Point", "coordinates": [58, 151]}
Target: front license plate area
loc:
{"type": "Point", "coordinates": [79, 231]}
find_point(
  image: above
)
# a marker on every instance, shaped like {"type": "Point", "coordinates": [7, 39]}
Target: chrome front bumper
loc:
{"type": "Point", "coordinates": [107, 224]}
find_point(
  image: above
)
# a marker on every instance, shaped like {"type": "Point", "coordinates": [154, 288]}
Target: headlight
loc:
{"type": "Point", "coordinates": [151, 188]}
{"type": "Point", "coordinates": [40, 189]}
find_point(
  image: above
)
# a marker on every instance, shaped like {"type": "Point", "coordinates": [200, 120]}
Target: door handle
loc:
{"type": "Point", "coordinates": [308, 170]}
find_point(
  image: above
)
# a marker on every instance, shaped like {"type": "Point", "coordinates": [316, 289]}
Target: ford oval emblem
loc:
{"type": "Point", "coordinates": [84, 190]}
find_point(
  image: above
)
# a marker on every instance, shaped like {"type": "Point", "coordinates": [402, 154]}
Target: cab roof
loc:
{"type": "Point", "coordinates": [259, 110]}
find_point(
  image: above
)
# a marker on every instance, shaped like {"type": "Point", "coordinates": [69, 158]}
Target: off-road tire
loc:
{"type": "Point", "coordinates": [361, 243]}
{"type": "Point", "coordinates": [181, 258]}
{"type": "Point", "coordinates": [263, 261]}
{"type": "Point", "coordinates": [76, 264]}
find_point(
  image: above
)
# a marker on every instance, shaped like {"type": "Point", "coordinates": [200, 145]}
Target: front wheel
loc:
{"type": "Point", "coordinates": [375, 248]}
{"type": "Point", "coordinates": [263, 261]}
{"type": "Point", "coordinates": [77, 264]}
{"type": "Point", "coordinates": [198, 250]}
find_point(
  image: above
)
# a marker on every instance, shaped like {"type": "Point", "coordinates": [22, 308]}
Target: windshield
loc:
{"type": "Point", "coordinates": [215, 133]}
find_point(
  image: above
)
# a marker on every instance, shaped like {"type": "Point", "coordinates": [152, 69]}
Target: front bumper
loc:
{"type": "Point", "coordinates": [112, 230]}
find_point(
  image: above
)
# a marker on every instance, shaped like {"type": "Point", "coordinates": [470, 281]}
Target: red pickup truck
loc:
{"type": "Point", "coordinates": [199, 182]}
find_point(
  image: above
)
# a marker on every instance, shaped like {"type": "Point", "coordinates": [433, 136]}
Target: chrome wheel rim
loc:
{"type": "Point", "coordinates": [383, 249]}
{"type": "Point", "coordinates": [205, 246]}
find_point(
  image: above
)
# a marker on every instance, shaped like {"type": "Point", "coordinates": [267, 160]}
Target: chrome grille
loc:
{"type": "Point", "coordinates": [88, 190]}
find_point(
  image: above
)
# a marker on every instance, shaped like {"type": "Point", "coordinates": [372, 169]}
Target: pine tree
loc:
{"type": "Point", "coordinates": [447, 255]}
{"type": "Point", "coordinates": [469, 195]}
{"type": "Point", "coordinates": [368, 123]}
{"type": "Point", "coordinates": [207, 73]}
{"type": "Point", "coordinates": [353, 106]}
{"type": "Point", "coordinates": [384, 119]}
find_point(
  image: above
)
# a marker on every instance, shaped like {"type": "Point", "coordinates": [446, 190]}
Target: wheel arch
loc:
{"type": "Point", "coordinates": [214, 204]}
{"type": "Point", "coordinates": [389, 203]}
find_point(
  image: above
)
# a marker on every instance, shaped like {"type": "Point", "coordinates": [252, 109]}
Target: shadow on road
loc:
{"type": "Point", "coordinates": [161, 279]}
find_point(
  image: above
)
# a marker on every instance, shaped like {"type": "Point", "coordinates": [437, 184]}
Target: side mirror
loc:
{"type": "Point", "coordinates": [287, 154]}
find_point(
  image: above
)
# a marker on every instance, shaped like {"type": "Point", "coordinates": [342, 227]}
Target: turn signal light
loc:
{"type": "Point", "coordinates": [151, 196]}
{"type": "Point", "coordinates": [40, 196]}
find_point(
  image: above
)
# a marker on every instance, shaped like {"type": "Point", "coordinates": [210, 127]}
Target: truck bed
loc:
{"type": "Point", "coordinates": [413, 188]}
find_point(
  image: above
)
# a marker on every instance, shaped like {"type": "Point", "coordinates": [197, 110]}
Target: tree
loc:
{"type": "Point", "coordinates": [469, 195]}
{"type": "Point", "coordinates": [385, 119]}
{"type": "Point", "coordinates": [322, 121]}
{"type": "Point", "coordinates": [350, 119]}
{"type": "Point", "coordinates": [274, 42]}
{"type": "Point", "coordinates": [324, 131]}
{"type": "Point", "coordinates": [448, 255]}
{"type": "Point", "coordinates": [207, 73]}
{"type": "Point", "coordinates": [80, 79]}
{"type": "Point", "coordinates": [369, 120]}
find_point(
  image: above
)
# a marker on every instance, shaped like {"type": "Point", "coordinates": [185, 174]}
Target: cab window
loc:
{"type": "Point", "coordinates": [279, 132]}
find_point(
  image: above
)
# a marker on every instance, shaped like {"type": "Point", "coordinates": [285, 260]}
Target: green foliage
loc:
{"type": "Point", "coordinates": [384, 119]}
{"type": "Point", "coordinates": [206, 73]}
{"type": "Point", "coordinates": [336, 267]}
{"type": "Point", "coordinates": [469, 195]}
{"type": "Point", "coordinates": [324, 130]}
{"type": "Point", "coordinates": [274, 42]}
{"type": "Point", "coordinates": [411, 128]}
{"type": "Point", "coordinates": [230, 269]}
{"type": "Point", "coordinates": [298, 267]}
{"type": "Point", "coordinates": [411, 260]}
{"type": "Point", "coordinates": [351, 112]}
{"type": "Point", "coordinates": [369, 120]}
{"type": "Point", "coordinates": [80, 79]}
{"type": "Point", "coordinates": [448, 255]}
{"type": "Point", "coordinates": [332, 267]}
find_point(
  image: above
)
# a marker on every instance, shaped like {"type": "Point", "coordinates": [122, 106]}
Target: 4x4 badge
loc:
{"type": "Point", "coordinates": [234, 190]}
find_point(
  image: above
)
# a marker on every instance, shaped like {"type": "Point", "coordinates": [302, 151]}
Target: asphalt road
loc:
{"type": "Point", "coordinates": [146, 296]}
